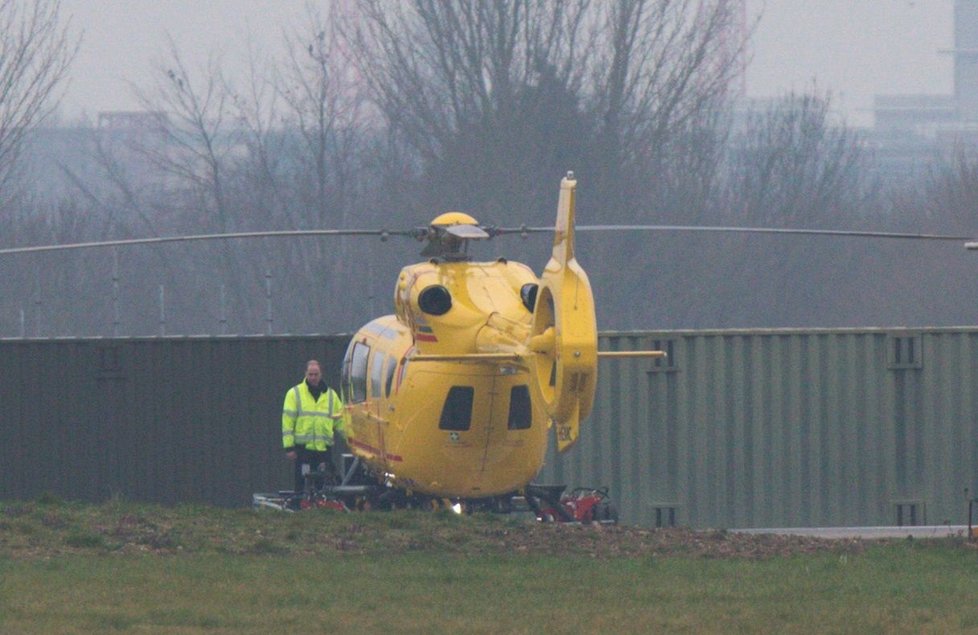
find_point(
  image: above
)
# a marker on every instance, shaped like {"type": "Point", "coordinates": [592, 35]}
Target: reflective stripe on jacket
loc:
{"type": "Point", "coordinates": [310, 422]}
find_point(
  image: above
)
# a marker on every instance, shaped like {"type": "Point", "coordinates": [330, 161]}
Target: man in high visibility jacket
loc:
{"type": "Point", "coordinates": [311, 417]}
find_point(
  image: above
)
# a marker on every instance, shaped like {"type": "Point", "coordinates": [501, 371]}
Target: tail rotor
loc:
{"type": "Point", "coordinates": [564, 336]}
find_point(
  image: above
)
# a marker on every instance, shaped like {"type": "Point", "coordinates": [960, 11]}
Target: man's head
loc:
{"type": "Point", "coordinates": [314, 373]}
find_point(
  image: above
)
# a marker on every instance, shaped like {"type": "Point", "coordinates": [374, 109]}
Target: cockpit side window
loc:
{"type": "Point", "coordinates": [377, 374]}
{"type": "Point", "coordinates": [457, 412]}
{"type": "Point", "coordinates": [355, 373]}
{"type": "Point", "coordinates": [520, 413]}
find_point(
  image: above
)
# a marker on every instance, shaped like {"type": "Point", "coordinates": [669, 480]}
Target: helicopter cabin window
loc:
{"type": "Point", "coordinates": [389, 379]}
{"type": "Point", "coordinates": [520, 414]}
{"type": "Point", "coordinates": [357, 373]}
{"type": "Point", "coordinates": [377, 374]}
{"type": "Point", "coordinates": [457, 413]}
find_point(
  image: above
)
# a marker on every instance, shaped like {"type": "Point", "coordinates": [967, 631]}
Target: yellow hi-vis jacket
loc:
{"type": "Point", "coordinates": [310, 422]}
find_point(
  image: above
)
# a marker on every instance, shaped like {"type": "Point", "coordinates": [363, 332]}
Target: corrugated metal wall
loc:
{"type": "Point", "coordinates": [163, 420]}
{"type": "Point", "coordinates": [784, 428]}
{"type": "Point", "coordinates": [734, 429]}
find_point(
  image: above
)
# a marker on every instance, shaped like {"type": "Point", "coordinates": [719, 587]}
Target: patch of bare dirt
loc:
{"type": "Point", "coordinates": [623, 541]}
{"type": "Point", "coordinates": [32, 530]}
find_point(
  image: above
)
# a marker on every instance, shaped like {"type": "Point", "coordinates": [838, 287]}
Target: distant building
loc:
{"type": "Point", "coordinates": [965, 54]}
{"type": "Point", "coordinates": [135, 121]}
{"type": "Point", "coordinates": [137, 142]}
{"type": "Point", "coordinates": [62, 162]}
{"type": "Point", "coordinates": [922, 114]}
{"type": "Point", "coordinates": [911, 131]}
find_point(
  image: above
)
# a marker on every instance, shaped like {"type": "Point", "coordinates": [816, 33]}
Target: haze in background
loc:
{"type": "Point", "coordinates": [853, 49]}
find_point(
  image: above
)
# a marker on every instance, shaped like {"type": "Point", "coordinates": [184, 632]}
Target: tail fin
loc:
{"type": "Point", "coordinates": [564, 338]}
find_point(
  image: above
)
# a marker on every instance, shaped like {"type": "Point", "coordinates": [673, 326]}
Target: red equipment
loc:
{"type": "Point", "coordinates": [582, 505]}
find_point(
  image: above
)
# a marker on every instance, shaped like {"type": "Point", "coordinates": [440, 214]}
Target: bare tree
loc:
{"type": "Point", "coordinates": [36, 49]}
{"type": "Point", "coordinates": [498, 98]}
{"type": "Point", "coordinates": [196, 113]}
{"type": "Point", "coordinates": [438, 68]}
{"type": "Point", "coordinates": [325, 116]}
{"type": "Point", "coordinates": [792, 165]}
{"type": "Point", "coordinates": [935, 284]}
{"type": "Point", "coordinates": [947, 195]}
{"type": "Point", "coordinates": [320, 87]}
{"type": "Point", "coordinates": [200, 155]}
{"type": "Point", "coordinates": [484, 92]}
{"type": "Point", "coordinates": [257, 110]}
{"type": "Point", "coordinates": [662, 71]}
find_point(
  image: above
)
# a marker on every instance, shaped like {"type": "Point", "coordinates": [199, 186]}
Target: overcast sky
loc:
{"type": "Point", "coordinates": [853, 48]}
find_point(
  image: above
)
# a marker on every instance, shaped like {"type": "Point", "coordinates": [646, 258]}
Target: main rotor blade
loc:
{"type": "Point", "coordinates": [173, 239]}
{"type": "Point", "coordinates": [741, 230]}
{"type": "Point", "coordinates": [492, 231]}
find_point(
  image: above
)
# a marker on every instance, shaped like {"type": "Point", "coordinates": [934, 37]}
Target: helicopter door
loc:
{"type": "Point", "coordinates": [468, 415]}
{"type": "Point", "coordinates": [509, 412]}
{"type": "Point", "coordinates": [493, 427]}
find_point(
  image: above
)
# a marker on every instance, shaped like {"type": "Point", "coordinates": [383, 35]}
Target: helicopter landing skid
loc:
{"type": "Point", "coordinates": [548, 503]}
{"type": "Point", "coordinates": [358, 491]}
{"type": "Point", "coordinates": [352, 493]}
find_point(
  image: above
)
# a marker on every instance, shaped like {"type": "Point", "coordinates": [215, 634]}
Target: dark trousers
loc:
{"type": "Point", "coordinates": [312, 461]}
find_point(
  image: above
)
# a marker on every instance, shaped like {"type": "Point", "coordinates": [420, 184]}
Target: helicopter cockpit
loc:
{"type": "Point", "coordinates": [449, 235]}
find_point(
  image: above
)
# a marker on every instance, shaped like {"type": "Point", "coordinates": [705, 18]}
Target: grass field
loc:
{"type": "Point", "coordinates": [68, 568]}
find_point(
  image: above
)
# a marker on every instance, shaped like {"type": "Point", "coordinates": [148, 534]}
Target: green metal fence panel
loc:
{"type": "Point", "coordinates": [766, 428]}
{"type": "Point", "coordinates": [163, 420]}
{"type": "Point", "coordinates": [738, 428]}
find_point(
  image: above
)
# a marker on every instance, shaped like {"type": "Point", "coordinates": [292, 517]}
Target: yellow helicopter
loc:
{"type": "Point", "coordinates": [454, 394]}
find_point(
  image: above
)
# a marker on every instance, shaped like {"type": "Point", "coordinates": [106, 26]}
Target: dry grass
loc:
{"type": "Point", "coordinates": [68, 568]}
{"type": "Point", "coordinates": [31, 530]}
